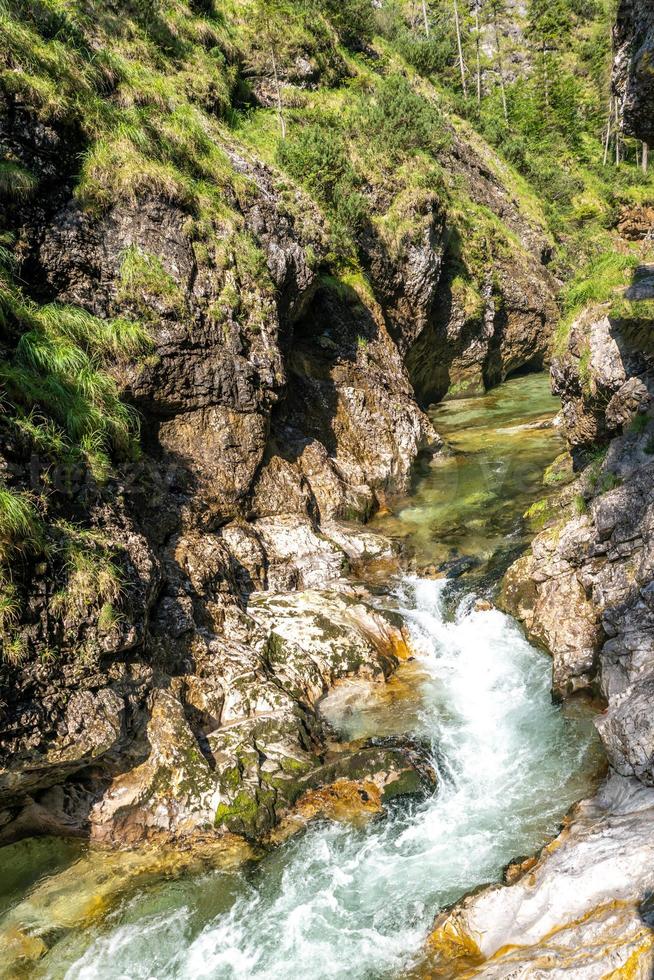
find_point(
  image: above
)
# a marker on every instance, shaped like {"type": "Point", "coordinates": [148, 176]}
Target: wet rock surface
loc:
{"type": "Point", "coordinates": [583, 909]}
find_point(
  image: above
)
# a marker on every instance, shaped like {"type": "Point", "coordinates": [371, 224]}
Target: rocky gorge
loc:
{"type": "Point", "coordinates": [189, 605]}
{"type": "Point", "coordinates": [276, 402]}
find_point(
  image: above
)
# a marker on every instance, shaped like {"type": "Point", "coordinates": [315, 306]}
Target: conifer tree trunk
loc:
{"type": "Point", "coordinates": [645, 156]}
{"type": "Point", "coordinates": [280, 111]}
{"type": "Point", "coordinates": [462, 66]}
{"type": "Point", "coordinates": [500, 67]}
{"type": "Point", "coordinates": [478, 52]}
{"type": "Point", "coordinates": [607, 139]}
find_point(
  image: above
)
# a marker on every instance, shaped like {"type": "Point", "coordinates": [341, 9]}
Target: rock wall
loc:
{"type": "Point", "coordinates": [633, 38]}
{"type": "Point", "coordinates": [279, 400]}
{"type": "Point", "coordinates": [265, 415]}
{"type": "Point", "coordinates": [471, 340]}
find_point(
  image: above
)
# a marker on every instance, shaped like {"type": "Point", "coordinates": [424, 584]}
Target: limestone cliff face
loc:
{"type": "Point", "coordinates": [470, 341]}
{"type": "Point", "coordinates": [634, 66]}
{"type": "Point", "coordinates": [272, 403]}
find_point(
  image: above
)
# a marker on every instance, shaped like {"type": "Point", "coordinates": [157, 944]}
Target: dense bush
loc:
{"type": "Point", "coordinates": [398, 120]}
{"type": "Point", "coordinates": [316, 156]}
{"type": "Point", "coordinates": [353, 19]}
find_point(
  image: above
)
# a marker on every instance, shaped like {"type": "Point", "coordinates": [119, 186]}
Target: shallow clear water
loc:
{"type": "Point", "coordinates": [339, 901]}
{"type": "Point", "coordinates": [470, 502]}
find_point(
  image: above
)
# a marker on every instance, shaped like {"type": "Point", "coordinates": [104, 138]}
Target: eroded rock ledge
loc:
{"type": "Point", "coordinates": [582, 910]}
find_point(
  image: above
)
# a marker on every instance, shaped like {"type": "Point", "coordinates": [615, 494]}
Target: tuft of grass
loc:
{"type": "Point", "coordinates": [143, 277]}
{"type": "Point", "coordinates": [20, 525]}
{"type": "Point", "coordinates": [9, 606]}
{"type": "Point", "coordinates": [608, 481]}
{"type": "Point", "coordinates": [466, 293]}
{"type": "Point", "coordinates": [632, 311]}
{"type": "Point", "coordinates": [594, 467]}
{"type": "Point", "coordinates": [93, 579]}
{"type": "Point", "coordinates": [58, 374]}
{"type": "Point", "coordinates": [639, 423]}
{"type": "Point", "coordinates": [14, 649]}
{"type": "Point", "coordinates": [108, 618]}
{"type": "Point", "coordinates": [117, 339]}
{"type": "Point", "coordinates": [114, 170]}
{"type": "Point", "coordinates": [15, 181]}
{"type": "Point", "coordinates": [580, 505]}
{"type": "Point", "coordinates": [594, 284]}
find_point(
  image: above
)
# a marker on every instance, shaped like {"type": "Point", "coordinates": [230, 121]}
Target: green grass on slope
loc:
{"type": "Point", "coordinates": [58, 395]}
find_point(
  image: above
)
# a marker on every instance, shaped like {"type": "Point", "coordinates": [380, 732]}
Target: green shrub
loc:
{"type": "Point", "coordinates": [398, 121]}
{"type": "Point", "coordinates": [353, 19]}
{"type": "Point", "coordinates": [316, 156]}
{"type": "Point", "coordinates": [433, 55]}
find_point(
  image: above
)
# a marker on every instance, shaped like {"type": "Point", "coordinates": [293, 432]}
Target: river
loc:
{"type": "Point", "coordinates": [339, 901]}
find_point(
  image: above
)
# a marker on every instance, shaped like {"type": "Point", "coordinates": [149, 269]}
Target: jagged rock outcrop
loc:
{"type": "Point", "coordinates": [582, 590]}
{"type": "Point", "coordinates": [633, 39]}
{"type": "Point", "coordinates": [474, 335]}
{"type": "Point", "coordinates": [604, 378]}
{"type": "Point", "coordinates": [269, 397]}
{"type": "Point", "coordinates": [583, 909]}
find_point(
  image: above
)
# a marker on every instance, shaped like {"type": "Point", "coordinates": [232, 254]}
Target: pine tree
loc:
{"type": "Point", "coordinates": [268, 18]}
{"type": "Point", "coordinates": [495, 11]}
{"type": "Point", "coordinates": [548, 24]}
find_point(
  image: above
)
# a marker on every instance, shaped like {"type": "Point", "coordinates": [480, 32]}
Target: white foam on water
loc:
{"type": "Point", "coordinates": [339, 902]}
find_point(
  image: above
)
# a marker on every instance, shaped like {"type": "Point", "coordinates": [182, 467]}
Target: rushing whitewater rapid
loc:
{"type": "Point", "coordinates": [358, 903]}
